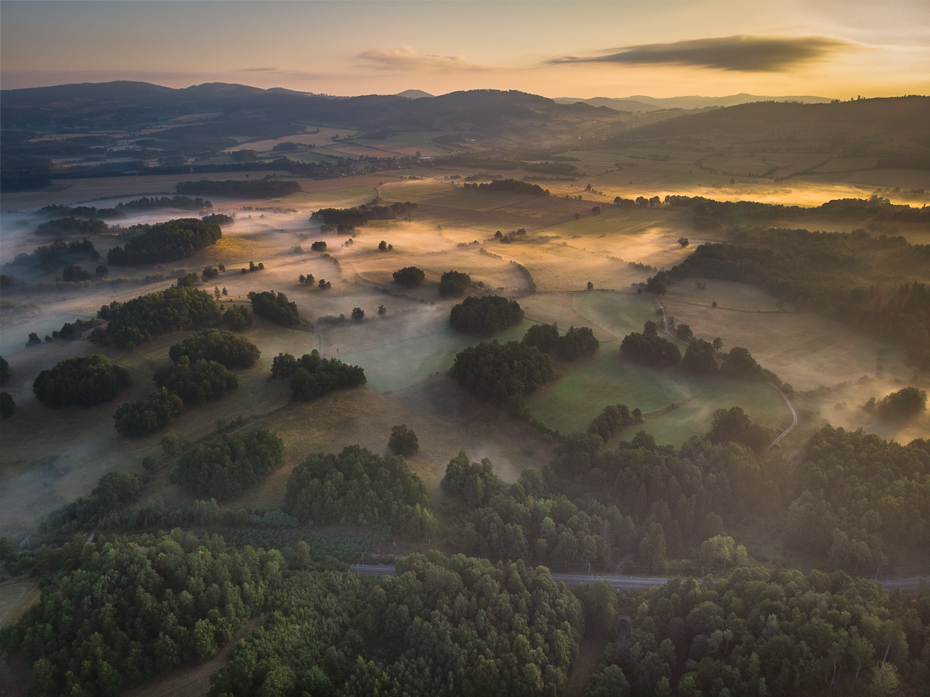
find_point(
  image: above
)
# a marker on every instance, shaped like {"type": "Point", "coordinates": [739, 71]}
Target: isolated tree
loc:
{"type": "Point", "coordinates": [318, 246]}
{"type": "Point", "coordinates": [590, 285]}
{"type": "Point", "coordinates": [403, 441]}
{"type": "Point", "coordinates": [410, 277]}
{"type": "Point", "coordinates": [7, 405]}
{"type": "Point", "coordinates": [718, 342]}
{"type": "Point", "coordinates": [683, 332]}
{"type": "Point", "coordinates": [683, 241]}
{"type": "Point", "coordinates": [382, 310]}
{"type": "Point", "coordinates": [382, 246]}
{"type": "Point", "coordinates": [324, 284]}
{"type": "Point", "coordinates": [358, 314]}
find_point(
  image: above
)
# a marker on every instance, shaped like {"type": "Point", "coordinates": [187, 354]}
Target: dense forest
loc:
{"type": "Point", "coordinates": [485, 315]}
{"type": "Point", "coordinates": [762, 633]}
{"type": "Point", "coordinates": [136, 321]}
{"type": "Point", "coordinates": [275, 307]}
{"type": "Point", "coordinates": [358, 487]}
{"type": "Point", "coordinates": [243, 188]}
{"type": "Point", "coordinates": [223, 347]}
{"type": "Point", "coordinates": [168, 241]}
{"type": "Point", "coordinates": [444, 626]}
{"type": "Point", "coordinates": [57, 252]}
{"type": "Point", "coordinates": [83, 381]}
{"type": "Point", "coordinates": [502, 373]}
{"type": "Point", "coordinates": [229, 464]}
{"type": "Point", "coordinates": [120, 611]}
{"type": "Point", "coordinates": [72, 227]}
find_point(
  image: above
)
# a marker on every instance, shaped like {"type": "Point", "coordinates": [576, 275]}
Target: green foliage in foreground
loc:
{"type": "Point", "coordinates": [136, 419]}
{"type": "Point", "coordinates": [442, 627]}
{"type": "Point", "coordinates": [138, 320]}
{"type": "Point", "coordinates": [123, 611]}
{"type": "Point", "coordinates": [360, 488]}
{"type": "Point", "coordinates": [216, 345]}
{"type": "Point", "coordinates": [83, 381]}
{"type": "Point", "coordinates": [757, 633]}
{"type": "Point", "coordinates": [228, 465]}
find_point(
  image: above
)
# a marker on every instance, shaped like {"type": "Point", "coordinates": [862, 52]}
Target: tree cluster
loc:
{"type": "Point", "coordinates": [275, 307]}
{"type": "Point", "coordinates": [228, 465]}
{"type": "Point", "coordinates": [574, 344]}
{"type": "Point", "coordinates": [196, 382]}
{"type": "Point", "coordinates": [137, 419]}
{"type": "Point", "coordinates": [502, 373]}
{"type": "Point", "coordinates": [83, 381]}
{"type": "Point", "coordinates": [58, 251]}
{"type": "Point", "coordinates": [903, 404]}
{"type": "Point", "coordinates": [648, 348]}
{"type": "Point", "coordinates": [359, 487]}
{"type": "Point", "coordinates": [360, 215]}
{"type": "Point", "coordinates": [410, 277]}
{"type": "Point", "coordinates": [124, 610]}
{"type": "Point", "coordinates": [73, 227]}
{"type": "Point", "coordinates": [454, 284]}
{"type": "Point", "coordinates": [238, 318]}
{"type": "Point", "coordinates": [485, 315]}
{"type": "Point", "coordinates": [734, 426]}
{"type": "Point", "coordinates": [138, 320]}
{"type": "Point", "coordinates": [216, 345]}
{"type": "Point", "coordinates": [312, 376]}
{"type": "Point", "coordinates": [514, 186]}
{"type": "Point", "coordinates": [168, 241]}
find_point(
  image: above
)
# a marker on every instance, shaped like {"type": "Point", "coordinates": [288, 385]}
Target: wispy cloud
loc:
{"type": "Point", "coordinates": [273, 69]}
{"type": "Point", "coordinates": [745, 53]}
{"type": "Point", "coordinates": [407, 60]}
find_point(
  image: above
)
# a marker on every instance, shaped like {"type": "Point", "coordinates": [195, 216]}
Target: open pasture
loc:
{"type": "Point", "coordinates": [571, 403]}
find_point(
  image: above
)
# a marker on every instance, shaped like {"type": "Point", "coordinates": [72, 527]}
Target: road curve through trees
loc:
{"type": "Point", "coordinates": [627, 582]}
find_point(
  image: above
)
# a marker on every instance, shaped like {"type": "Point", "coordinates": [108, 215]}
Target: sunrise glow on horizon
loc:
{"type": "Point", "coordinates": [556, 49]}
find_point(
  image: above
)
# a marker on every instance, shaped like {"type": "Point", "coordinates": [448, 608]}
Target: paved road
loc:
{"type": "Point", "coordinates": [624, 582]}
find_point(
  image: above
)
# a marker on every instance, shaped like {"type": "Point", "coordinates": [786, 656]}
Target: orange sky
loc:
{"type": "Point", "coordinates": [567, 48]}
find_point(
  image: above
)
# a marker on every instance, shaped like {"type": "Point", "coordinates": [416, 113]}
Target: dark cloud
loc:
{"type": "Point", "coordinates": [749, 53]}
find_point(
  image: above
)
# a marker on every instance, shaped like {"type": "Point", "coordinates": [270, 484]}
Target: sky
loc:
{"type": "Point", "coordinates": [559, 48]}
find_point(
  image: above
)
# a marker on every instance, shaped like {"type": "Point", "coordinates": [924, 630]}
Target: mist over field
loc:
{"type": "Point", "coordinates": [409, 374]}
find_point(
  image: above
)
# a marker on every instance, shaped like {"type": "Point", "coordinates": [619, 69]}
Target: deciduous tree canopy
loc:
{"type": "Point", "coordinates": [485, 315]}
{"type": "Point", "coordinates": [216, 345]}
{"type": "Point", "coordinates": [82, 381]}
{"type": "Point", "coordinates": [169, 241]}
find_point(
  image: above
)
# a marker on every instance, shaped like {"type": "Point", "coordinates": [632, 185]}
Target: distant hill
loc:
{"type": "Point", "coordinates": [641, 103]}
{"type": "Point", "coordinates": [414, 94]}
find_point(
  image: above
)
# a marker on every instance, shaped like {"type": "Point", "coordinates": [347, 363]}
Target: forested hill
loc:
{"type": "Point", "coordinates": [71, 105]}
{"type": "Point", "coordinates": [839, 125]}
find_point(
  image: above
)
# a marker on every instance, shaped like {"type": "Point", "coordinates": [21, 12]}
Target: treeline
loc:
{"type": "Point", "coordinates": [514, 186]}
{"type": "Point", "coordinates": [136, 321]}
{"type": "Point", "coordinates": [57, 252]}
{"type": "Point", "coordinates": [574, 344]}
{"type": "Point", "coordinates": [275, 307]}
{"type": "Point", "coordinates": [83, 381]}
{"type": "Point", "coordinates": [528, 522]}
{"type": "Point", "coordinates": [485, 315]}
{"type": "Point", "coordinates": [182, 203]}
{"type": "Point", "coordinates": [717, 215]}
{"type": "Point", "coordinates": [122, 610]}
{"type": "Point", "coordinates": [168, 241]}
{"type": "Point", "coordinates": [777, 634]}
{"type": "Point", "coordinates": [821, 272]}
{"type": "Point", "coordinates": [72, 227]}
{"type": "Point", "coordinates": [502, 373]}
{"type": "Point", "coordinates": [443, 626]}
{"type": "Point", "coordinates": [312, 376]}
{"type": "Point", "coordinates": [360, 215]}
{"type": "Point", "coordinates": [358, 487]}
{"type": "Point", "coordinates": [858, 496]}
{"type": "Point", "coordinates": [228, 465]}
{"type": "Point", "coordinates": [244, 188]}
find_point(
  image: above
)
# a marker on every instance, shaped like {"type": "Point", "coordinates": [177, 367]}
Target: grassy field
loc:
{"type": "Point", "coordinates": [571, 403]}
